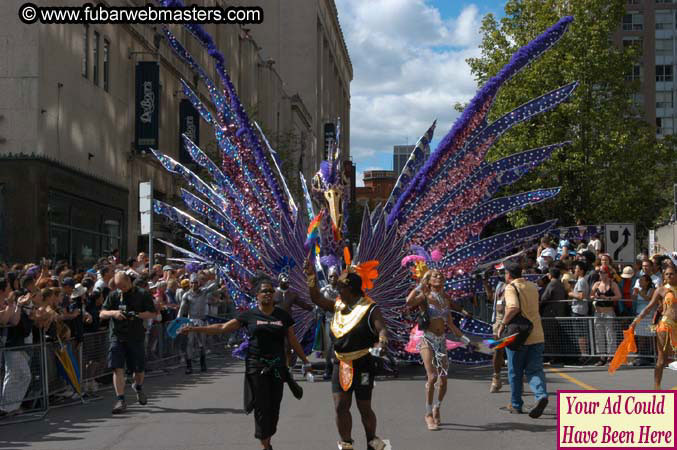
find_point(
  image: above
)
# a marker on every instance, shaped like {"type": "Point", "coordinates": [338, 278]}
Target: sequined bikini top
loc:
{"type": "Point", "coordinates": [435, 310]}
{"type": "Point", "coordinates": [670, 296]}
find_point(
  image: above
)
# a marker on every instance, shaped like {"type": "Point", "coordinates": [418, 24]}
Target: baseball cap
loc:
{"type": "Point", "coordinates": [167, 267]}
{"type": "Point", "coordinates": [78, 291]}
{"type": "Point", "coordinates": [185, 283]}
{"type": "Point", "coordinates": [551, 252]}
{"type": "Point", "coordinates": [68, 282]}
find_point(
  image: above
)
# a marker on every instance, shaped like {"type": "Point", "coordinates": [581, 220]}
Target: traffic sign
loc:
{"type": "Point", "coordinates": [620, 242]}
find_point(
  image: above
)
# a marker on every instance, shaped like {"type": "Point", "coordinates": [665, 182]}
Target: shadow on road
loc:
{"type": "Point", "coordinates": [67, 424]}
{"type": "Point", "coordinates": [500, 426]}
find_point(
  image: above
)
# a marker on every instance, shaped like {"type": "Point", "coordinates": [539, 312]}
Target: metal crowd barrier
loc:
{"type": "Point", "coordinates": [24, 386]}
{"type": "Point", "coordinates": [35, 383]}
{"type": "Point", "coordinates": [591, 337]}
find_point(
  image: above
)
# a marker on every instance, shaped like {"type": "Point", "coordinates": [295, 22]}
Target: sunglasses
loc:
{"type": "Point", "coordinates": [267, 291]}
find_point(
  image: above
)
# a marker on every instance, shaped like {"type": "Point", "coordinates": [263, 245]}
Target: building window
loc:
{"type": "Point", "coordinates": [106, 65]}
{"type": "Point", "coordinates": [664, 19]}
{"type": "Point", "coordinates": [85, 50]}
{"type": "Point", "coordinates": [664, 99]}
{"type": "Point", "coordinates": [664, 47]}
{"type": "Point", "coordinates": [662, 1]}
{"type": "Point", "coordinates": [663, 73]}
{"type": "Point", "coordinates": [664, 126]}
{"type": "Point", "coordinates": [633, 21]}
{"type": "Point", "coordinates": [634, 43]}
{"type": "Point", "coordinates": [95, 59]}
{"type": "Point", "coordinates": [81, 231]}
{"type": "Point", "coordinates": [635, 73]}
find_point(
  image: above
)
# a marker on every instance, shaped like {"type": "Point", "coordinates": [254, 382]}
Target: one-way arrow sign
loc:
{"type": "Point", "coordinates": [620, 242]}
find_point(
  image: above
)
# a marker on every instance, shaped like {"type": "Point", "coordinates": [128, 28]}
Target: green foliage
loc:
{"type": "Point", "coordinates": [615, 170]}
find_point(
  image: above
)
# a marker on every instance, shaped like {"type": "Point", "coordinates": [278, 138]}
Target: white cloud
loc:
{"type": "Point", "coordinates": [409, 69]}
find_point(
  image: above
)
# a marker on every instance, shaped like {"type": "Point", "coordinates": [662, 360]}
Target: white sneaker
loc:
{"type": "Point", "coordinates": [377, 444]}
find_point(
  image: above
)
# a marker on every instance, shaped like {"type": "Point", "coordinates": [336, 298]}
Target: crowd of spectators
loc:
{"type": "Point", "coordinates": [579, 280]}
{"type": "Point", "coordinates": [64, 303]}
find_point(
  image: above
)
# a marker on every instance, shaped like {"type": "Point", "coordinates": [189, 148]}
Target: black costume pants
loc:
{"type": "Point", "coordinates": [267, 389]}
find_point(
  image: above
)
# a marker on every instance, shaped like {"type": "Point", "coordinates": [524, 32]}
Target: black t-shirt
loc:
{"type": "Point", "coordinates": [77, 325]}
{"type": "Point", "coordinates": [266, 332]}
{"type": "Point", "coordinates": [16, 335]}
{"type": "Point", "coordinates": [136, 300]}
{"type": "Point", "coordinates": [93, 309]}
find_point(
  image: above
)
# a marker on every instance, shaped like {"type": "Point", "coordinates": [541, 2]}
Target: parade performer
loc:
{"type": "Point", "coordinates": [330, 292]}
{"type": "Point", "coordinates": [429, 338]}
{"type": "Point", "coordinates": [243, 217]}
{"type": "Point", "coordinates": [357, 326]}
{"type": "Point", "coordinates": [285, 299]}
{"type": "Point", "coordinates": [666, 329]}
{"type": "Point", "coordinates": [265, 370]}
{"type": "Point", "coordinates": [194, 306]}
{"type": "Point", "coordinates": [497, 296]}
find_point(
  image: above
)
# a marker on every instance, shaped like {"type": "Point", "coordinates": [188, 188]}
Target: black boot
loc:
{"type": "Point", "coordinates": [203, 361]}
{"type": "Point", "coordinates": [189, 367]}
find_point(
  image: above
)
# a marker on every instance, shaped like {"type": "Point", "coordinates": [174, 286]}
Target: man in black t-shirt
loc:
{"type": "Point", "coordinates": [128, 307]}
{"type": "Point", "coordinates": [266, 333]}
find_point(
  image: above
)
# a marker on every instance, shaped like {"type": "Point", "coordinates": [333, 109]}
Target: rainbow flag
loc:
{"type": "Point", "coordinates": [313, 237]}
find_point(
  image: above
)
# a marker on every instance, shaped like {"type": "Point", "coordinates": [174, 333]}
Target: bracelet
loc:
{"type": "Point", "coordinates": [465, 339]}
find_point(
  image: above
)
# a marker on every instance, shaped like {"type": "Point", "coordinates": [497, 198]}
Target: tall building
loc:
{"type": "Point", "coordinates": [401, 155]}
{"type": "Point", "coordinates": [72, 97]}
{"type": "Point", "coordinates": [652, 25]}
{"type": "Point", "coordinates": [306, 44]}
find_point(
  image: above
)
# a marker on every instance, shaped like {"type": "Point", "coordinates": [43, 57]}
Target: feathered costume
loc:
{"type": "Point", "coordinates": [244, 219]}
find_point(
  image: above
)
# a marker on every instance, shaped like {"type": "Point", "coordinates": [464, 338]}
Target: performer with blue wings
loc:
{"type": "Point", "coordinates": [245, 219]}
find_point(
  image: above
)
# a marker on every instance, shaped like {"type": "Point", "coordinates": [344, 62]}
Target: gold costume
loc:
{"type": "Point", "coordinates": [667, 325]}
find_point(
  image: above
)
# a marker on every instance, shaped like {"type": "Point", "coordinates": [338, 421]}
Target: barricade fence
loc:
{"type": "Point", "coordinates": [591, 337]}
{"type": "Point", "coordinates": [23, 381]}
{"type": "Point", "coordinates": [586, 337]}
{"type": "Point", "coordinates": [32, 376]}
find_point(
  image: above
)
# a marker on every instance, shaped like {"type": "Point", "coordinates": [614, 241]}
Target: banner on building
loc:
{"type": "Point", "coordinates": [147, 105]}
{"type": "Point", "coordinates": [189, 124]}
{"type": "Point", "coordinates": [329, 138]}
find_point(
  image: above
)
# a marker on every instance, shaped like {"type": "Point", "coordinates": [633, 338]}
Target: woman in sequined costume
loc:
{"type": "Point", "coordinates": [666, 328]}
{"type": "Point", "coordinates": [432, 345]}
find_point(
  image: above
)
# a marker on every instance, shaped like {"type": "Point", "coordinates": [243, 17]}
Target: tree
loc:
{"type": "Point", "coordinates": [615, 170]}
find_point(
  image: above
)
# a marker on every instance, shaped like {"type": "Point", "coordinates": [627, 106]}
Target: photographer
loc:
{"type": "Point", "coordinates": [128, 307]}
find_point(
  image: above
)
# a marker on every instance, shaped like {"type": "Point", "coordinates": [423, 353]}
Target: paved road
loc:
{"type": "Point", "coordinates": [204, 412]}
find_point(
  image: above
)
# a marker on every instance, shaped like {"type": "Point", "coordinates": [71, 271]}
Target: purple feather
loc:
{"type": "Point", "coordinates": [520, 59]}
{"type": "Point", "coordinates": [242, 350]}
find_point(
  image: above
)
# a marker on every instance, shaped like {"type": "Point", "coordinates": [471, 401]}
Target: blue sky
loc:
{"type": "Point", "coordinates": [408, 69]}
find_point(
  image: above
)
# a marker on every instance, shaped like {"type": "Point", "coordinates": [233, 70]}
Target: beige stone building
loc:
{"type": "Point", "coordinates": [69, 169]}
{"type": "Point", "coordinates": [304, 41]}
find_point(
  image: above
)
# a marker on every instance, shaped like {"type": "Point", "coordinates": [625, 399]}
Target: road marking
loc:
{"type": "Point", "coordinates": [568, 377]}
